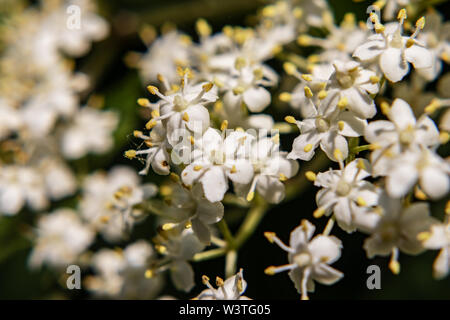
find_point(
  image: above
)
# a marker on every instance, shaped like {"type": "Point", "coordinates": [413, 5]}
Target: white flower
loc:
{"type": "Point", "coordinates": [19, 186]}
{"type": "Point", "coordinates": [164, 55]}
{"type": "Point", "coordinates": [178, 245]}
{"type": "Point", "coordinates": [108, 201]}
{"type": "Point", "coordinates": [59, 179]}
{"type": "Point", "coordinates": [439, 238]}
{"type": "Point", "coordinates": [424, 166]}
{"type": "Point", "coordinates": [327, 126]}
{"type": "Point", "coordinates": [347, 195]}
{"type": "Point", "coordinates": [270, 168]}
{"type": "Point", "coordinates": [60, 239]}
{"type": "Point", "coordinates": [157, 155]}
{"type": "Point", "coordinates": [392, 51]}
{"type": "Point", "coordinates": [246, 85]}
{"type": "Point", "coordinates": [309, 259]}
{"type": "Point", "coordinates": [189, 206]}
{"type": "Point", "coordinates": [436, 36]}
{"type": "Point", "coordinates": [215, 160]}
{"type": "Point", "coordinates": [122, 274]}
{"type": "Point", "coordinates": [401, 133]}
{"type": "Point", "coordinates": [398, 229]}
{"type": "Point", "coordinates": [354, 85]}
{"type": "Point", "coordinates": [183, 110]}
{"type": "Point", "coordinates": [91, 131]}
{"type": "Point", "coordinates": [230, 289]}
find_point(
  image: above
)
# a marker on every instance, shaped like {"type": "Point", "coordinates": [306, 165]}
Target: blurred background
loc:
{"type": "Point", "coordinates": [121, 87]}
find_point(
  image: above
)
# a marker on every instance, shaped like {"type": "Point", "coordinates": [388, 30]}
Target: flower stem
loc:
{"type": "Point", "coordinates": [230, 263]}
{"type": "Point", "coordinates": [210, 254]}
{"type": "Point", "coordinates": [225, 230]}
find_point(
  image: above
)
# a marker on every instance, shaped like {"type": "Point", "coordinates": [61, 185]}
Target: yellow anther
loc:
{"type": "Point", "coordinates": [276, 138]}
{"type": "Point", "coordinates": [148, 143]}
{"type": "Point", "coordinates": [379, 4]}
{"type": "Point", "coordinates": [258, 74]}
{"type": "Point", "coordinates": [149, 273]}
{"type": "Point", "coordinates": [205, 279]}
{"type": "Point", "coordinates": [433, 106]}
{"type": "Point", "coordinates": [319, 212]}
{"type": "Point", "coordinates": [297, 12]}
{"type": "Point", "coordinates": [290, 68]}
{"type": "Point", "coordinates": [419, 194]}
{"type": "Point", "coordinates": [420, 24]}
{"type": "Point", "coordinates": [270, 236]}
{"type": "Point", "coordinates": [137, 133]}
{"type": "Point", "coordinates": [311, 176]}
{"type": "Point", "coordinates": [290, 119]}
{"type": "Point", "coordinates": [270, 271]}
{"type": "Point", "coordinates": [282, 177]}
{"type": "Point", "coordinates": [250, 196]}
{"type": "Point", "coordinates": [218, 106]}
{"type": "Point", "coordinates": [379, 28]}
{"type": "Point", "coordinates": [186, 117]}
{"type": "Point", "coordinates": [219, 282]}
{"type": "Point", "coordinates": [155, 113]}
{"type": "Point", "coordinates": [224, 125]}
{"type": "Point", "coordinates": [168, 226]}
{"type": "Point", "coordinates": [410, 42]}
{"type": "Point", "coordinates": [191, 140]}
{"type": "Point", "coordinates": [308, 147]}
{"type": "Point", "coordinates": [374, 79]}
{"type": "Point", "coordinates": [269, 11]}
{"type": "Point", "coordinates": [150, 124]}
{"type": "Point", "coordinates": [188, 225]}
{"type": "Point", "coordinates": [307, 77]}
{"type": "Point", "coordinates": [152, 89]}
{"type": "Point", "coordinates": [308, 92]}
{"type": "Point", "coordinates": [240, 63]}
{"type": "Point", "coordinates": [322, 94]}
{"type": "Point", "coordinates": [238, 90]}
{"type": "Point", "coordinates": [342, 103]}
{"type": "Point", "coordinates": [143, 102]}
{"type": "Point", "coordinates": [285, 97]}
{"type": "Point", "coordinates": [402, 15]}
{"type": "Point", "coordinates": [385, 108]}
{"type": "Point", "coordinates": [207, 86]}
{"type": "Point", "coordinates": [203, 28]}
{"type": "Point", "coordinates": [361, 202]}
{"type": "Point", "coordinates": [233, 169]}
{"type": "Point", "coordinates": [338, 155]}
{"type": "Point", "coordinates": [105, 219]}
{"type": "Point", "coordinates": [161, 249]}
{"type": "Point", "coordinates": [313, 59]}
{"type": "Point", "coordinates": [423, 236]}
{"type": "Point", "coordinates": [341, 125]}
{"type": "Point", "coordinates": [197, 168]}
{"type": "Point", "coordinates": [447, 207]}
{"type": "Point", "coordinates": [444, 137]}
{"type": "Point", "coordinates": [394, 266]}
{"type": "Point", "coordinates": [130, 154]}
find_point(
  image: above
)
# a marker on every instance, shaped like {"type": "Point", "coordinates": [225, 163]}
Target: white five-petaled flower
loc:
{"type": "Point", "coordinates": [309, 259]}
{"type": "Point", "coordinates": [189, 206]}
{"type": "Point", "coordinates": [439, 238]}
{"type": "Point", "coordinates": [398, 229]}
{"type": "Point", "coordinates": [423, 166]}
{"type": "Point", "coordinates": [230, 289]}
{"type": "Point", "coordinates": [178, 245]}
{"type": "Point", "coordinates": [216, 159]}
{"type": "Point", "coordinates": [60, 238]}
{"type": "Point", "coordinates": [354, 85]}
{"type": "Point", "coordinates": [270, 168]}
{"type": "Point", "coordinates": [327, 126]}
{"type": "Point", "coordinates": [392, 51]}
{"type": "Point", "coordinates": [109, 199]}
{"type": "Point", "coordinates": [401, 133]}
{"type": "Point", "coordinates": [345, 194]}
{"type": "Point", "coordinates": [183, 109]}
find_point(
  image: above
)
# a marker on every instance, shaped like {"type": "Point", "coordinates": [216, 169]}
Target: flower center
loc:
{"type": "Point", "coordinates": [407, 135]}
{"type": "Point", "coordinates": [303, 259]}
{"type": "Point", "coordinates": [322, 125]}
{"type": "Point", "coordinates": [343, 188]}
{"type": "Point", "coordinates": [179, 103]}
{"type": "Point", "coordinates": [217, 157]}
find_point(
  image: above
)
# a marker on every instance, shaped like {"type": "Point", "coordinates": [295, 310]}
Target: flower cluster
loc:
{"type": "Point", "coordinates": [212, 135]}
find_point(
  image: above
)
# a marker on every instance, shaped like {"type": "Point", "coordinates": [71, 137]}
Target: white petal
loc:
{"type": "Point", "coordinates": [353, 126]}
{"type": "Point", "coordinates": [442, 264]}
{"type": "Point", "coordinates": [256, 99]}
{"type": "Point", "coordinates": [392, 64]}
{"type": "Point", "coordinates": [299, 144]}
{"type": "Point", "coordinates": [401, 114]}
{"type": "Point", "coordinates": [369, 50]}
{"type": "Point", "coordinates": [272, 189]}
{"type": "Point", "coordinates": [202, 231]}
{"type": "Point", "coordinates": [182, 276]}
{"type": "Point", "coordinates": [243, 173]}
{"type": "Point", "coordinates": [419, 56]}
{"type": "Point", "coordinates": [332, 141]}
{"type": "Point", "coordinates": [360, 103]}
{"type": "Point", "coordinates": [434, 182]}
{"type": "Point", "coordinates": [401, 179]}
{"type": "Point", "coordinates": [343, 215]}
{"type": "Point", "coordinates": [198, 118]}
{"type": "Point", "coordinates": [328, 247]}
{"type": "Point", "coordinates": [214, 183]}
{"type": "Point", "coordinates": [325, 274]}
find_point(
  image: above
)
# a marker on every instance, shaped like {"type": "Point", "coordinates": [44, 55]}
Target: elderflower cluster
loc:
{"type": "Point", "coordinates": [366, 101]}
